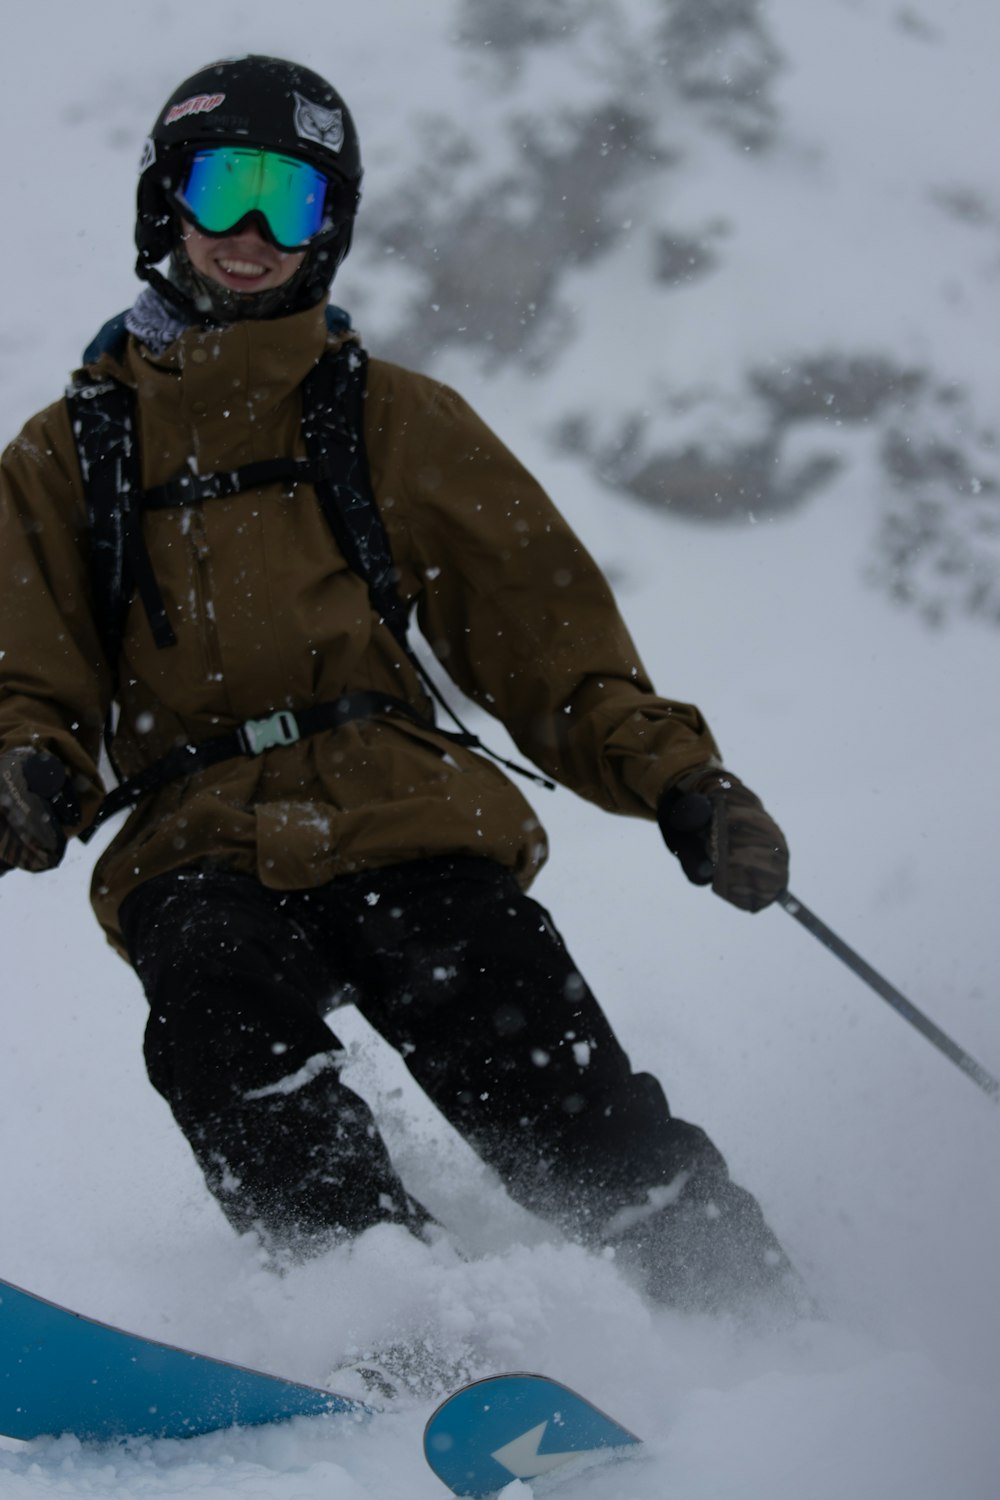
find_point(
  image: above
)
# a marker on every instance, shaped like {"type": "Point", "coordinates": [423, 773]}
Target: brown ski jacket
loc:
{"type": "Point", "coordinates": [268, 616]}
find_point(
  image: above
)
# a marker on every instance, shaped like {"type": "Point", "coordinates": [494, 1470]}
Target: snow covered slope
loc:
{"type": "Point", "coordinates": [826, 174]}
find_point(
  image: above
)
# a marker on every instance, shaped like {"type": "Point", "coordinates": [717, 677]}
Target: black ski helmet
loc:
{"type": "Point", "coordinates": [258, 101]}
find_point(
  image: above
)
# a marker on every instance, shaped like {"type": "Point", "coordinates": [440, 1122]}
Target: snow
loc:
{"type": "Point", "coordinates": [872, 737]}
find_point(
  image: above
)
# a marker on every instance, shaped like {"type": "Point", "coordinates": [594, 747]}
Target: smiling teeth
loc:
{"type": "Point", "coordinates": [242, 267]}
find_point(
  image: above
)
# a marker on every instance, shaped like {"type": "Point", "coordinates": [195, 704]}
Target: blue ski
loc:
{"type": "Point", "coordinates": [62, 1372]}
{"type": "Point", "coordinates": [516, 1427]}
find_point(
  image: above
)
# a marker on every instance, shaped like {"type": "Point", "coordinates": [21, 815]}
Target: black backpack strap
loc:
{"type": "Point", "coordinates": [102, 416]}
{"type": "Point", "coordinates": [254, 737]}
{"type": "Point", "coordinates": [333, 396]}
{"type": "Point", "coordinates": [192, 489]}
{"type": "Point", "coordinates": [332, 425]}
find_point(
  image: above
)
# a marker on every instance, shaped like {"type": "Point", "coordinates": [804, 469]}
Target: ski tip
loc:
{"type": "Point", "coordinates": [517, 1426]}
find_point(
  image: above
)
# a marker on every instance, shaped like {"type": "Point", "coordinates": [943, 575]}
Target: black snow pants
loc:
{"type": "Point", "coordinates": [468, 979]}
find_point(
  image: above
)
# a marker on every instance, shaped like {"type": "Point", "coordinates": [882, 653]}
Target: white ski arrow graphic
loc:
{"type": "Point", "coordinates": [521, 1457]}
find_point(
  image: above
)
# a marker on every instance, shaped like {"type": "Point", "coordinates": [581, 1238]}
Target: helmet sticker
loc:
{"type": "Point", "coordinates": [198, 104]}
{"type": "Point", "coordinates": [148, 154]}
{"type": "Point", "coordinates": [314, 123]}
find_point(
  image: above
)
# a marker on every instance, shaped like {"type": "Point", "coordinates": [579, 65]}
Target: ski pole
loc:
{"type": "Point", "coordinates": [908, 1011]}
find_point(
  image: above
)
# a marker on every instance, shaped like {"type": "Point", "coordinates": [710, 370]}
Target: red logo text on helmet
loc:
{"type": "Point", "coordinates": [198, 104]}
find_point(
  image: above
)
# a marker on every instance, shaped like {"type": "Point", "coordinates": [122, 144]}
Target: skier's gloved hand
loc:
{"type": "Point", "coordinates": [724, 838]}
{"type": "Point", "coordinates": [35, 801]}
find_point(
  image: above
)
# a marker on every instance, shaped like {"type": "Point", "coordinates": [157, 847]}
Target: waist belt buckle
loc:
{"type": "Point", "coordinates": [258, 735]}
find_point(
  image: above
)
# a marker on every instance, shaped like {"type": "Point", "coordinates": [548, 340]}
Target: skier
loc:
{"type": "Point", "coordinates": [302, 832]}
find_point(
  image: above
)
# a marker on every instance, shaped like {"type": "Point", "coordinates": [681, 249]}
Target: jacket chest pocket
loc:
{"type": "Point", "coordinates": [200, 604]}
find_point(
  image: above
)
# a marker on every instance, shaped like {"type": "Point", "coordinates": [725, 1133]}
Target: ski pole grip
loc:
{"type": "Point", "coordinates": [690, 812]}
{"type": "Point", "coordinates": [46, 776]}
{"type": "Point", "coordinates": [685, 820]}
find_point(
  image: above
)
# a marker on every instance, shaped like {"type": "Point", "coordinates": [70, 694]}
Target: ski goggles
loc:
{"type": "Point", "coordinates": [224, 184]}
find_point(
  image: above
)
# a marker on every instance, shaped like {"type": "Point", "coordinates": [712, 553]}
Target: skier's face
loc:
{"type": "Point", "coordinates": [241, 262]}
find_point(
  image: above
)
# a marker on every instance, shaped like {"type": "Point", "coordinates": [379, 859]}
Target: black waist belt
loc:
{"type": "Point", "coordinates": [254, 737]}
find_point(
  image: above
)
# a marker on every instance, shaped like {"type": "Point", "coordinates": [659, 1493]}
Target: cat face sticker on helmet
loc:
{"type": "Point", "coordinates": [314, 123]}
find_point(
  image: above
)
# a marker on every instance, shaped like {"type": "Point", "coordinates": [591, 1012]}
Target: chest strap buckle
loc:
{"type": "Point", "coordinates": [258, 735]}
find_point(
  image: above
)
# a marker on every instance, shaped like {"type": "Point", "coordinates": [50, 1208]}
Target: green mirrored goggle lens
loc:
{"type": "Point", "coordinates": [225, 183]}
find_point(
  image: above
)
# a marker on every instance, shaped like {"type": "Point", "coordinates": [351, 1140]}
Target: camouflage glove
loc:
{"type": "Point", "coordinates": [34, 803]}
{"type": "Point", "coordinates": [723, 837]}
